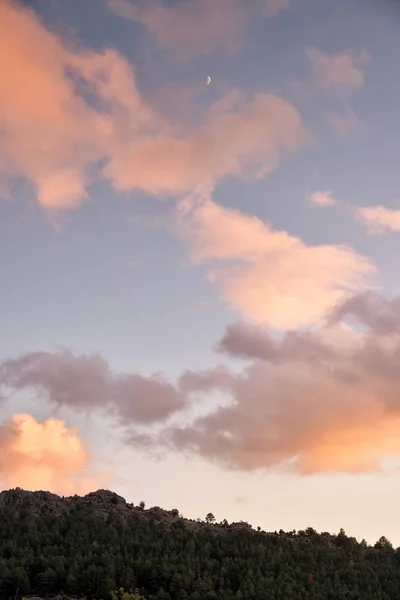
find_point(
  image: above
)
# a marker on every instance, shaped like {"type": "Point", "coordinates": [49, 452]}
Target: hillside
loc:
{"type": "Point", "coordinates": [93, 545]}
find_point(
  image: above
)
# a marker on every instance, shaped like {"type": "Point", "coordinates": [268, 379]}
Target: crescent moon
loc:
{"type": "Point", "coordinates": [208, 80]}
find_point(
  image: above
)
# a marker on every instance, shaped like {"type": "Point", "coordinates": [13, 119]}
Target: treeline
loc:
{"type": "Point", "coordinates": [82, 553]}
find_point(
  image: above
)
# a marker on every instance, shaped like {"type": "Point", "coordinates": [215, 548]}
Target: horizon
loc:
{"type": "Point", "coordinates": [200, 295]}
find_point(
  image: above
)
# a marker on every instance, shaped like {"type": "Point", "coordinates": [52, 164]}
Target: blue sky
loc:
{"type": "Point", "coordinates": [133, 227]}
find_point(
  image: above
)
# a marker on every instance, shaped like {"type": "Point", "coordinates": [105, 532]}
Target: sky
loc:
{"type": "Point", "coordinates": [200, 298]}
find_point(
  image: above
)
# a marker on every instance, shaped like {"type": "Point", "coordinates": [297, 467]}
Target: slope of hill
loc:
{"type": "Point", "coordinates": [92, 545]}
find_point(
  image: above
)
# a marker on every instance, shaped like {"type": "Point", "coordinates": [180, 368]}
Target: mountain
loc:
{"type": "Point", "coordinates": [92, 546]}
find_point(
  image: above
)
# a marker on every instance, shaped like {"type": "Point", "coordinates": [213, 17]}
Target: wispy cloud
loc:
{"type": "Point", "coordinates": [239, 499]}
{"type": "Point", "coordinates": [340, 71]}
{"type": "Point", "coordinates": [379, 219]}
{"type": "Point", "coordinates": [339, 74]}
{"type": "Point", "coordinates": [189, 28]}
{"type": "Point", "coordinates": [344, 124]}
{"type": "Point", "coordinates": [265, 274]}
{"type": "Point", "coordinates": [246, 141]}
{"type": "Point", "coordinates": [322, 198]}
{"type": "Point", "coordinates": [273, 7]}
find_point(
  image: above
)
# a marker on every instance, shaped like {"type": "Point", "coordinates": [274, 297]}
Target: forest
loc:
{"type": "Point", "coordinates": [100, 547]}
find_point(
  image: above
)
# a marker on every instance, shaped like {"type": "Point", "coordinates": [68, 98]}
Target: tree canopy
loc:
{"type": "Point", "coordinates": [105, 553]}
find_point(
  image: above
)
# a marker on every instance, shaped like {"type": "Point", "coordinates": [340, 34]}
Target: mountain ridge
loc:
{"type": "Point", "coordinates": [98, 545]}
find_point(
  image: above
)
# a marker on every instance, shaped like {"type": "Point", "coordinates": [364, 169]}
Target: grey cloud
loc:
{"type": "Point", "coordinates": [302, 403]}
{"type": "Point", "coordinates": [87, 382]}
{"type": "Point", "coordinates": [244, 340]}
{"type": "Point", "coordinates": [79, 382]}
{"type": "Point", "coordinates": [381, 315]}
{"type": "Point", "coordinates": [145, 399]}
{"type": "Point", "coordinates": [218, 378]}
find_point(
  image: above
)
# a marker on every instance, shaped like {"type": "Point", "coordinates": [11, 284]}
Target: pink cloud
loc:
{"type": "Point", "coordinates": [267, 275]}
{"type": "Point", "coordinates": [322, 198]}
{"type": "Point", "coordinates": [46, 455]}
{"type": "Point", "coordinates": [379, 219]}
{"type": "Point", "coordinates": [338, 70]}
{"type": "Point", "coordinates": [247, 141]}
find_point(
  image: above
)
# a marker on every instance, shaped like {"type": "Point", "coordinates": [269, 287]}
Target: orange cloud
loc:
{"type": "Point", "coordinates": [46, 455]}
{"type": "Point", "coordinates": [189, 28]}
{"type": "Point", "coordinates": [52, 136]}
{"type": "Point", "coordinates": [379, 219]}
{"type": "Point", "coordinates": [267, 275]}
{"type": "Point", "coordinates": [338, 70]}
{"type": "Point", "coordinates": [322, 198]}
{"type": "Point", "coordinates": [293, 419]}
{"type": "Point", "coordinates": [355, 447]}
{"type": "Point", "coordinates": [48, 133]}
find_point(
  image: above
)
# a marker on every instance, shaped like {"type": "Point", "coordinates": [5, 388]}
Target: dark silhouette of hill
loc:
{"type": "Point", "coordinates": [92, 546]}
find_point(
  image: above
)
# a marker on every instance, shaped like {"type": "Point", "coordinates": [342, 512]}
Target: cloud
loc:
{"type": "Point", "coordinates": [53, 136]}
{"type": "Point", "coordinates": [239, 499]}
{"type": "Point", "coordinates": [325, 400]}
{"type": "Point", "coordinates": [306, 402]}
{"type": "Point", "coordinates": [267, 275]}
{"type": "Point", "coordinates": [87, 382]}
{"type": "Point", "coordinates": [189, 28]}
{"type": "Point", "coordinates": [49, 133]}
{"type": "Point", "coordinates": [346, 124]}
{"type": "Point", "coordinates": [46, 455]}
{"type": "Point", "coordinates": [273, 7]}
{"type": "Point", "coordinates": [246, 141]}
{"type": "Point", "coordinates": [379, 219]}
{"type": "Point", "coordinates": [322, 198]}
{"type": "Point", "coordinates": [5, 192]}
{"type": "Point", "coordinates": [245, 340]}
{"type": "Point", "coordinates": [342, 71]}
{"type": "Point", "coordinates": [379, 314]}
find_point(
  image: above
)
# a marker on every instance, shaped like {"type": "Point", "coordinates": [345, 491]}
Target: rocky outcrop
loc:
{"type": "Point", "coordinates": [37, 503]}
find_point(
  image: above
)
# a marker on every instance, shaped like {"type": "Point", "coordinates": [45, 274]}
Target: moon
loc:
{"type": "Point", "coordinates": [208, 80]}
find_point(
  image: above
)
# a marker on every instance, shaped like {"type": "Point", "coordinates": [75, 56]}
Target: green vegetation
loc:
{"type": "Point", "coordinates": [99, 547]}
